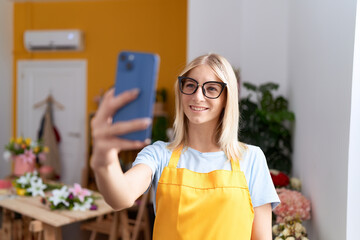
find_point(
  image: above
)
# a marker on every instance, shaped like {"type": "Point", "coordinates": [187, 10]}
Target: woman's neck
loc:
{"type": "Point", "coordinates": [202, 137]}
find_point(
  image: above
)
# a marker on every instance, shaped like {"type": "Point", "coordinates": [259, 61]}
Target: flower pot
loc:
{"type": "Point", "coordinates": [22, 166]}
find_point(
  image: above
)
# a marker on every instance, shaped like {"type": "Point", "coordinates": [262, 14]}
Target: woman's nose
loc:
{"type": "Point", "coordinates": [198, 94]}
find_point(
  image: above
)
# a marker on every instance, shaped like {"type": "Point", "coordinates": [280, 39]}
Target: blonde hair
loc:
{"type": "Point", "coordinates": [227, 129]}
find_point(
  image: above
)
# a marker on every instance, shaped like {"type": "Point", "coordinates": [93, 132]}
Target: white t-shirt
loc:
{"type": "Point", "coordinates": [254, 166]}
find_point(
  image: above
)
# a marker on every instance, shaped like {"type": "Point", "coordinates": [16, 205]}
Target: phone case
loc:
{"type": "Point", "coordinates": [137, 70]}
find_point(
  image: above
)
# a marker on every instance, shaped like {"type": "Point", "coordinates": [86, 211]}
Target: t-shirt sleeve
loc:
{"type": "Point", "coordinates": [152, 156]}
{"type": "Point", "coordinates": [261, 187]}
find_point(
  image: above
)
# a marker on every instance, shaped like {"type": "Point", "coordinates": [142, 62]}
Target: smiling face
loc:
{"type": "Point", "coordinates": [198, 108]}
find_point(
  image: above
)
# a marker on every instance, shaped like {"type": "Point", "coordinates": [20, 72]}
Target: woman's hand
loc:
{"type": "Point", "coordinates": [119, 190]}
{"type": "Point", "coordinates": [106, 143]}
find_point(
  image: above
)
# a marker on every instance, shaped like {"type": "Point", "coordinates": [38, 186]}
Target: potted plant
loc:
{"type": "Point", "coordinates": [266, 122]}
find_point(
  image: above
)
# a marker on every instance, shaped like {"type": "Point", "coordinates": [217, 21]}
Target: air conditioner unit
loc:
{"type": "Point", "coordinates": [53, 40]}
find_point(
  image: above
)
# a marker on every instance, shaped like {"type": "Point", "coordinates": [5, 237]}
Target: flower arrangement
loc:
{"type": "Point", "coordinates": [293, 209]}
{"type": "Point", "coordinates": [73, 198]}
{"type": "Point", "coordinates": [30, 184]}
{"type": "Point", "coordinates": [24, 152]}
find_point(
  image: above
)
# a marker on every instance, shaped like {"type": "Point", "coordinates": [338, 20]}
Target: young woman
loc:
{"type": "Point", "coordinates": [207, 184]}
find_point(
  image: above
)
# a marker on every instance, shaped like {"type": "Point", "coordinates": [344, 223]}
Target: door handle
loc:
{"type": "Point", "coordinates": [74, 134]}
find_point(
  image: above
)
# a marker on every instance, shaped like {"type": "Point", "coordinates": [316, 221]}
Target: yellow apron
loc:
{"type": "Point", "coordinates": [191, 205]}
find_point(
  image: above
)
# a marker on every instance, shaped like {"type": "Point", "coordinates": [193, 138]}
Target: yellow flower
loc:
{"type": "Point", "coordinates": [46, 149]}
{"type": "Point", "coordinates": [20, 191]}
{"type": "Point", "coordinates": [28, 141]}
{"type": "Point", "coordinates": [36, 149]}
{"type": "Point", "coordinates": [19, 140]}
{"type": "Point", "coordinates": [12, 140]}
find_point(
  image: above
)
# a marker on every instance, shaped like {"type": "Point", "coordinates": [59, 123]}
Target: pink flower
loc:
{"type": "Point", "coordinates": [42, 157]}
{"type": "Point", "coordinates": [80, 192]}
{"type": "Point", "coordinates": [28, 156]}
{"type": "Point", "coordinates": [293, 205]}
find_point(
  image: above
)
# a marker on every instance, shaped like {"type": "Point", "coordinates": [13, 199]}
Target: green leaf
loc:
{"type": "Point", "coordinates": [281, 103]}
{"type": "Point", "coordinates": [267, 101]}
{"type": "Point", "coordinates": [250, 86]}
{"type": "Point", "coordinates": [268, 87]}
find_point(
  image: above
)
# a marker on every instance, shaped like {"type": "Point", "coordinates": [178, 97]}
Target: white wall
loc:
{"type": "Point", "coordinates": [252, 35]}
{"type": "Point", "coordinates": [307, 47]}
{"type": "Point", "coordinates": [321, 46]}
{"type": "Point", "coordinates": [353, 197]}
{"type": "Point", "coordinates": [6, 43]}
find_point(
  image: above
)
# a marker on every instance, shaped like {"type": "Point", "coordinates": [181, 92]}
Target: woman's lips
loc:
{"type": "Point", "coordinates": [197, 108]}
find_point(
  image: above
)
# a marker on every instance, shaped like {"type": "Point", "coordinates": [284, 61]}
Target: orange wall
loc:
{"type": "Point", "coordinates": [109, 26]}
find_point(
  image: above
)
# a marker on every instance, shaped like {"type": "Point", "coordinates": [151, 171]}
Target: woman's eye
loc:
{"type": "Point", "coordinates": [189, 85]}
{"type": "Point", "coordinates": [213, 89]}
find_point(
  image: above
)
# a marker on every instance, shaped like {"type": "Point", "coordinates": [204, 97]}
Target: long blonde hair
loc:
{"type": "Point", "coordinates": [227, 129]}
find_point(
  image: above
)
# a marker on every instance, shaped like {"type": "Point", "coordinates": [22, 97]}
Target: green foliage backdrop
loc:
{"type": "Point", "coordinates": [266, 122]}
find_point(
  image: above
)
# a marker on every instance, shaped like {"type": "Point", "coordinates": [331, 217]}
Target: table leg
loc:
{"type": "Point", "coordinates": [6, 225]}
{"type": "Point", "coordinates": [52, 233]}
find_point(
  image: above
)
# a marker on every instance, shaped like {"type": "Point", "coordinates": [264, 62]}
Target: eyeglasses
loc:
{"type": "Point", "coordinates": [211, 89]}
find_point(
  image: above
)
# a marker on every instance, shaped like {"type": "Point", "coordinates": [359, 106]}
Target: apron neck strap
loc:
{"type": "Point", "coordinates": [235, 165]}
{"type": "Point", "coordinates": [175, 156]}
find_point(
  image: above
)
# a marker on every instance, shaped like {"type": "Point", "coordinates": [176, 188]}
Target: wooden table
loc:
{"type": "Point", "coordinates": [52, 220]}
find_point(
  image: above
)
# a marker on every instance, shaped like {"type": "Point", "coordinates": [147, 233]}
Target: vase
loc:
{"type": "Point", "coordinates": [21, 167]}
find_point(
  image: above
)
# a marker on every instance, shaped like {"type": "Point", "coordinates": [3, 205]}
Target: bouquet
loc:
{"type": "Point", "coordinates": [24, 152]}
{"type": "Point", "coordinates": [73, 198]}
{"type": "Point", "coordinates": [26, 148]}
{"type": "Point", "coordinates": [30, 184]}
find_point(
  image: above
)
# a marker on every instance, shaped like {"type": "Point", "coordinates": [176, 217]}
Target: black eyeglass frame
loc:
{"type": "Point", "coordinates": [180, 78]}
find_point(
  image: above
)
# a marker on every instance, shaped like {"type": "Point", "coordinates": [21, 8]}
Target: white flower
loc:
{"type": "Point", "coordinates": [278, 238]}
{"type": "Point", "coordinates": [275, 230]}
{"type": "Point", "coordinates": [304, 238]}
{"type": "Point", "coordinates": [7, 155]}
{"type": "Point", "coordinates": [24, 180]}
{"type": "Point", "coordinates": [83, 206]}
{"type": "Point", "coordinates": [299, 227]}
{"type": "Point", "coordinates": [295, 183]}
{"type": "Point", "coordinates": [290, 238]}
{"type": "Point", "coordinates": [286, 232]}
{"type": "Point", "coordinates": [59, 196]}
{"type": "Point", "coordinates": [36, 187]}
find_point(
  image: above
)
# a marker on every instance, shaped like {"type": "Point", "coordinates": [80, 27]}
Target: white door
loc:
{"type": "Point", "coordinates": [66, 82]}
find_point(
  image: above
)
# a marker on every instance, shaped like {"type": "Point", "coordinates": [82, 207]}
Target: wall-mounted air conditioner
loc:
{"type": "Point", "coordinates": [53, 40]}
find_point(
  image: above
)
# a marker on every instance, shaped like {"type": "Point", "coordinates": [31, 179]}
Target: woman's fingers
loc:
{"type": "Point", "coordinates": [123, 144]}
{"type": "Point", "coordinates": [110, 103]}
{"type": "Point", "coordinates": [120, 128]}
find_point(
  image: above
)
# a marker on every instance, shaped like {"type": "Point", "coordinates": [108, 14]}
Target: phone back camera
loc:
{"type": "Point", "coordinates": [129, 65]}
{"type": "Point", "coordinates": [123, 57]}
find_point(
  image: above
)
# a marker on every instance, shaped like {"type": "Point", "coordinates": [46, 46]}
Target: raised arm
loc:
{"type": "Point", "coordinates": [119, 190]}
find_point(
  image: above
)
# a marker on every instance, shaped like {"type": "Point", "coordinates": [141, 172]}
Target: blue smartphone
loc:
{"type": "Point", "coordinates": [137, 70]}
